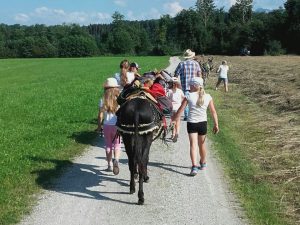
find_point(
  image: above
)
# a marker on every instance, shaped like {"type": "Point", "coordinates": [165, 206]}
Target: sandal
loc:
{"type": "Point", "coordinates": [194, 171]}
{"type": "Point", "coordinates": [109, 169]}
{"type": "Point", "coordinates": [174, 139]}
{"type": "Point", "coordinates": [116, 169]}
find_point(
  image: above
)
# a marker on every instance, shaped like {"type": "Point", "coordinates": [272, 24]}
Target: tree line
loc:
{"type": "Point", "coordinates": [203, 28]}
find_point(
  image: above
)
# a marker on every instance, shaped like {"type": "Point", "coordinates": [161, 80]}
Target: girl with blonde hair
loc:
{"type": "Point", "coordinates": [124, 66]}
{"type": "Point", "coordinates": [198, 102]}
{"type": "Point", "coordinates": [107, 121]}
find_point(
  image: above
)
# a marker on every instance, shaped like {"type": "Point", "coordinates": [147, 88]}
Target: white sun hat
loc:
{"type": "Point", "coordinates": [111, 82]}
{"type": "Point", "coordinates": [197, 81]}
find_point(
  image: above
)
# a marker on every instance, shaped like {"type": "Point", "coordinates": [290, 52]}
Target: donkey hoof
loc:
{"type": "Point", "coordinates": [141, 202]}
{"type": "Point", "coordinates": [132, 191]}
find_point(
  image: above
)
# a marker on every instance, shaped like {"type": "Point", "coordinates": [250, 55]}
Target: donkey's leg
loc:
{"type": "Point", "coordinates": [132, 171]}
{"type": "Point", "coordinates": [146, 177]}
{"type": "Point", "coordinates": [148, 141]}
{"type": "Point", "coordinates": [141, 185]}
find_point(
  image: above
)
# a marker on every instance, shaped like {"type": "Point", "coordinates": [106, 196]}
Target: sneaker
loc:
{"type": "Point", "coordinates": [194, 171]}
{"type": "Point", "coordinates": [116, 169]}
{"type": "Point", "coordinates": [202, 166]}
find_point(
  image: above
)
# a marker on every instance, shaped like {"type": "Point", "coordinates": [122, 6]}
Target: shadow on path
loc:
{"type": "Point", "coordinates": [79, 180]}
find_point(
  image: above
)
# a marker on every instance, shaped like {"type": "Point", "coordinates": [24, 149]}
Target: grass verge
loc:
{"type": "Point", "coordinates": [240, 138]}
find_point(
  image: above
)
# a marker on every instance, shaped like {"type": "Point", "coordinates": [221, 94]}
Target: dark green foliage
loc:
{"type": "Point", "coordinates": [293, 25]}
{"type": "Point", "coordinates": [274, 48]}
{"type": "Point", "coordinates": [204, 29]}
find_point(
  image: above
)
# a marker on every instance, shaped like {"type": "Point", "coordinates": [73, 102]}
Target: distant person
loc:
{"type": "Point", "coordinates": [176, 96]}
{"type": "Point", "coordinates": [198, 102]}
{"type": "Point", "coordinates": [223, 70]}
{"type": "Point", "coordinates": [107, 120]}
{"type": "Point", "coordinates": [187, 70]}
{"type": "Point", "coordinates": [122, 76]}
{"type": "Point", "coordinates": [127, 73]}
{"type": "Point", "coordinates": [130, 82]}
{"type": "Point", "coordinates": [134, 69]}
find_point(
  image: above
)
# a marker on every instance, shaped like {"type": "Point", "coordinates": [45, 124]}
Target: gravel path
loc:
{"type": "Point", "coordinates": [87, 194]}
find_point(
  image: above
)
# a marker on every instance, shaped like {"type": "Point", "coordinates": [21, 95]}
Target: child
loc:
{"type": "Point", "coordinates": [134, 69]}
{"type": "Point", "coordinates": [222, 70]}
{"type": "Point", "coordinates": [130, 75]}
{"type": "Point", "coordinates": [108, 107]}
{"type": "Point", "coordinates": [176, 95]}
{"type": "Point", "coordinates": [126, 76]}
{"type": "Point", "coordinates": [198, 102]}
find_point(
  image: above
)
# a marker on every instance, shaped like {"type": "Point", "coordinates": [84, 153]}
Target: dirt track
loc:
{"type": "Point", "coordinates": [86, 194]}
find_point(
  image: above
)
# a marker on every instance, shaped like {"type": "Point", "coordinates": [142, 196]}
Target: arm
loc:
{"type": "Point", "coordinates": [180, 110]}
{"type": "Point", "coordinates": [100, 120]}
{"type": "Point", "coordinates": [214, 116]}
{"type": "Point", "coordinates": [177, 70]}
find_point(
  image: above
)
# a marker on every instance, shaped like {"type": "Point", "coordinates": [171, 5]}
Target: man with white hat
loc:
{"type": "Point", "coordinates": [187, 70]}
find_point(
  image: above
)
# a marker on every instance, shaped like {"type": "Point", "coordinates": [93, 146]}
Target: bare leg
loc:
{"type": "Point", "coordinates": [193, 148]}
{"type": "Point", "coordinates": [226, 86]}
{"type": "Point", "coordinates": [218, 83]}
{"type": "Point", "coordinates": [177, 126]}
{"type": "Point", "coordinates": [117, 154]}
{"type": "Point", "coordinates": [202, 148]}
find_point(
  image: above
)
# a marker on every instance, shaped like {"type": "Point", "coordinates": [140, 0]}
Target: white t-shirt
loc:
{"type": "Point", "coordinates": [118, 77]}
{"type": "Point", "coordinates": [130, 77]}
{"type": "Point", "coordinates": [176, 98]}
{"type": "Point", "coordinates": [223, 69]}
{"type": "Point", "coordinates": [197, 113]}
{"type": "Point", "coordinates": [108, 118]}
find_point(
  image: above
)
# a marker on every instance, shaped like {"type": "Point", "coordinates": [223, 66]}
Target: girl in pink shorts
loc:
{"type": "Point", "coordinates": [107, 120]}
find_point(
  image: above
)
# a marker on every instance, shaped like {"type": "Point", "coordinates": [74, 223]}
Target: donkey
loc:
{"type": "Point", "coordinates": [138, 122]}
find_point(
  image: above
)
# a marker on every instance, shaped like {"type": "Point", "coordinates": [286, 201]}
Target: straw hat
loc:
{"type": "Point", "coordinates": [111, 83]}
{"type": "Point", "coordinates": [197, 81]}
{"type": "Point", "coordinates": [189, 54]}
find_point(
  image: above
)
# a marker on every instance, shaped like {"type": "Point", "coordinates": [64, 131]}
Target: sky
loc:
{"type": "Point", "coordinates": [85, 12]}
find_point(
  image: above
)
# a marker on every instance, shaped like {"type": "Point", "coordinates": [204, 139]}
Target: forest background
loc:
{"type": "Point", "coordinates": [203, 28]}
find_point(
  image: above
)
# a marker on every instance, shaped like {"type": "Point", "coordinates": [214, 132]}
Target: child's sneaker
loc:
{"type": "Point", "coordinates": [116, 169]}
{"type": "Point", "coordinates": [202, 166]}
{"type": "Point", "coordinates": [194, 171]}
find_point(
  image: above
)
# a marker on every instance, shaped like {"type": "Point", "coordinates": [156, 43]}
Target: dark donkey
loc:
{"type": "Point", "coordinates": [138, 122]}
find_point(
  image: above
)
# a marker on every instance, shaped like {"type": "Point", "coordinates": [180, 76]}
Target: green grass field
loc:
{"type": "Point", "coordinates": [49, 108]}
{"type": "Point", "coordinates": [48, 114]}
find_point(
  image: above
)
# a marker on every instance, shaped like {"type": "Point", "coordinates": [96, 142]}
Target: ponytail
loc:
{"type": "Point", "coordinates": [123, 76]}
{"type": "Point", "coordinates": [124, 65]}
{"type": "Point", "coordinates": [200, 100]}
